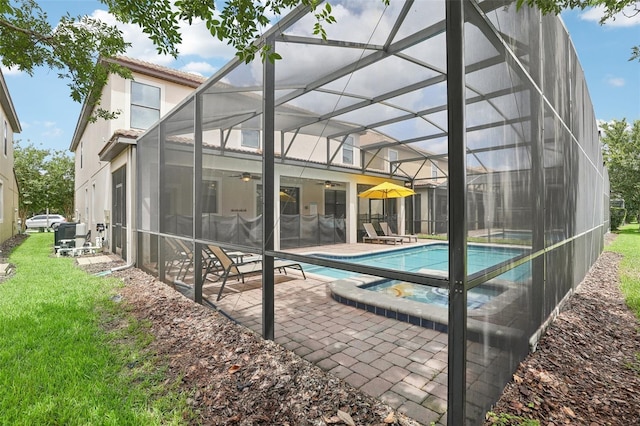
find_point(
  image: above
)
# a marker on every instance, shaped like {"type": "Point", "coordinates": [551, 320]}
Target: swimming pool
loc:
{"type": "Point", "coordinates": [476, 297]}
{"type": "Point", "coordinates": [510, 235]}
{"type": "Point", "coordinates": [423, 305]}
{"type": "Point", "coordinates": [422, 258]}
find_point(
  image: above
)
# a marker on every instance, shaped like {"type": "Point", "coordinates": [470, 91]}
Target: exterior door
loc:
{"type": "Point", "coordinates": [119, 212]}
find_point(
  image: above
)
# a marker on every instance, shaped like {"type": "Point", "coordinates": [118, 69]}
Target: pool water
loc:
{"type": "Point", "coordinates": [432, 256]}
{"type": "Point", "coordinates": [511, 235]}
{"type": "Point", "coordinates": [476, 298]}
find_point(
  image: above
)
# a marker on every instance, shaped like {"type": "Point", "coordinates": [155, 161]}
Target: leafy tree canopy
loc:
{"type": "Point", "coordinates": [621, 147]}
{"type": "Point", "coordinates": [74, 46]}
{"type": "Point", "coordinates": [45, 179]}
{"type": "Point", "coordinates": [612, 8]}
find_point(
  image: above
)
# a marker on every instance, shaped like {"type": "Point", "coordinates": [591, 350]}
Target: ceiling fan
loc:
{"type": "Point", "coordinates": [329, 184]}
{"type": "Point", "coordinates": [246, 176]}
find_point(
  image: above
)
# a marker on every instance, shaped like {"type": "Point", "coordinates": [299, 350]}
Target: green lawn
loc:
{"type": "Point", "coordinates": [628, 244]}
{"type": "Point", "coordinates": [59, 365]}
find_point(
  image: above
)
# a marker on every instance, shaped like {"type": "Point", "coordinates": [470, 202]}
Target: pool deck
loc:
{"type": "Point", "coordinates": [401, 364]}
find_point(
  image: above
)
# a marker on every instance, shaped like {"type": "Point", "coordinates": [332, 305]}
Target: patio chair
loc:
{"type": "Point", "coordinates": [386, 230]}
{"type": "Point", "coordinates": [175, 257]}
{"type": "Point", "coordinates": [373, 236]}
{"type": "Point", "coordinates": [187, 260]}
{"type": "Point", "coordinates": [231, 269]}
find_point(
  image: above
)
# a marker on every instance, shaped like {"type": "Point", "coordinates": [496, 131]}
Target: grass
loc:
{"type": "Point", "coordinates": [505, 419]}
{"type": "Point", "coordinates": [628, 245]}
{"type": "Point", "coordinates": [66, 358]}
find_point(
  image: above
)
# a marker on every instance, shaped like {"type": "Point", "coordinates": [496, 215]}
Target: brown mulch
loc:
{"type": "Point", "coordinates": [237, 377]}
{"type": "Point", "coordinates": [586, 370]}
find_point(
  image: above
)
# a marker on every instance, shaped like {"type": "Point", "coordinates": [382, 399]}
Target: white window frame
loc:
{"type": "Point", "coordinates": [392, 155]}
{"type": "Point", "coordinates": [348, 151]}
{"type": "Point", "coordinates": [247, 138]}
{"type": "Point", "coordinates": [5, 132]}
{"type": "Point", "coordinates": [147, 107]}
{"type": "Point", "coordinates": [1, 201]}
{"type": "Point", "coordinates": [434, 169]}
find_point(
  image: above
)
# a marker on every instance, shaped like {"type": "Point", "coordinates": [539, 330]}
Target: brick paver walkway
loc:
{"type": "Point", "coordinates": [401, 364]}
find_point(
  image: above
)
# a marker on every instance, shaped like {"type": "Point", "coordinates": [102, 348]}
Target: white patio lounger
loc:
{"type": "Point", "coordinates": [373, 236]}
{"type": "Point", "coordinates": [387, 231]}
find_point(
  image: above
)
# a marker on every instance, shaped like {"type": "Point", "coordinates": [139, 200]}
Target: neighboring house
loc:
{"type": "Point", "coordinates": [9, 191]}
{"type": "Point", "coordinates": [105, 149]}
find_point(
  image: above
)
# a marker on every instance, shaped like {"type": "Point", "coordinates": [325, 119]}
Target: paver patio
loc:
{"type": "Point", "coordinates": [399, 363]}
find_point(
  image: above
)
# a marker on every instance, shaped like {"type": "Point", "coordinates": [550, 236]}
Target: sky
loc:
{"type": "Point", "coordinates": [48, 115]}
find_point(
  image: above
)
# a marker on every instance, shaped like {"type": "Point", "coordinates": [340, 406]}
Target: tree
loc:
{"type": "Point", "coordinates": [621, 149]}
{"type": "Point", "coordinates": [239, 22]}
{"type": "Point", "coordinates": [74, 46]}
{"type": "Point", "coordinates": [45, 179]}
{"type": "Point", "coordinates": [629, 8]}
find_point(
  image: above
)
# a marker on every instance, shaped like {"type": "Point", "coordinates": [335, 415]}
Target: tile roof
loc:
{"type": "Point", "coordinates": [159, 71]}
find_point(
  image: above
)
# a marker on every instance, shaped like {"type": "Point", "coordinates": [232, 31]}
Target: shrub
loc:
{"type": "Point", "coordinates": [617, 217]}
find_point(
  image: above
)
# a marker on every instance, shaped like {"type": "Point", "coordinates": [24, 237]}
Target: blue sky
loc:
{"type": "Point", "coordinates": [48, 115]}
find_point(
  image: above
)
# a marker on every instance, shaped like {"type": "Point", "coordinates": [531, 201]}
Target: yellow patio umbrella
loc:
{"type": "Point", "coordinates": [387, 190]}
{"type": "Point", "coordinates": [288, 198]}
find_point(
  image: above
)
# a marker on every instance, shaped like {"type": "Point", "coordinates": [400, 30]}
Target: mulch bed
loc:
{"type": "Point", "coordinates": [586, 370]}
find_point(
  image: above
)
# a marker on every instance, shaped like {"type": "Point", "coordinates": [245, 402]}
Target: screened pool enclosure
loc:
{"type": "Point", "coordinates": [481, 109]}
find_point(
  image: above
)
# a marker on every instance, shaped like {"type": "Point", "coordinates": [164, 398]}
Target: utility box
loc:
{"type": "Point", "coordinates": [81, 234]}
{"type": "Point", "coordinates": [64, 235]}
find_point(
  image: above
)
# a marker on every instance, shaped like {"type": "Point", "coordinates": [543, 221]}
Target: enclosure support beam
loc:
{"type": "Point", "coordinates": [268, 196]}
{"type": "Point", "coordinates": [162, 246]}
{"type": "Point", "coordinates": [456, 394]}
{"type": "Point", "coordinates": [537, 182]}
{"type": "Point", "coordinates": [197, 199]}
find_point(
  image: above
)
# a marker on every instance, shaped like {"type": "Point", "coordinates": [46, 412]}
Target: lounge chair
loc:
{"type": "Point", "coordinates": [373, 236]}
{"type": "Point", "coordinates": [387, 231]}
{"type": "Point", "coordinates": [180, 254]}
{"type": "Point", "coordinates": [230, 269]}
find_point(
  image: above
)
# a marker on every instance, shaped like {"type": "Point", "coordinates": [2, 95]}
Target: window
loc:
{"type": "Point", "coordinates": [1, 202]}
{"type": "Point", "coordinates": [250, 139]}
{"type": "Point", "coordinates": [145, 105]}
{"type": "Point", "coordinates": [209, 196]}
{"type": "Point", "coordinates": [6, 142]}
{"type": "Point", "coordinates": [81, 152]}
{"type": "Point", "coordinates": [347, 151]}
{"type": "Point", "coordinates": [393, 157]}
{"type": "Point", "coordinates": [289, 200]}
{"type": "Point", "coordinates": [434, 169]}
{"type": "Point", "coordinates": [86, 202]}
{"type": "Point", "coordinates": [335, 203]}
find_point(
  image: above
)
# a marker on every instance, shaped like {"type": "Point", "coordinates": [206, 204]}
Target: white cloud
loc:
{"type": "Point", "coordinates": [201, 68]}
{"type": "Point", "coordinates": [10, 71]}
{"type": "Point", "coordinates": [615, 81]}
{"type": "Point", "coordinates": [50, 129]}
{"type": "Point", "coordinates": [141, 47]}
{"type": "Point", "coordinates": [627, 18]}
{"type": "Point", "coordinates": [196, 40]}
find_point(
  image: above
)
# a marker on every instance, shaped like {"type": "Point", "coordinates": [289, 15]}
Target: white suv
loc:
{"type": "Point", "coordinates": [41, 221]}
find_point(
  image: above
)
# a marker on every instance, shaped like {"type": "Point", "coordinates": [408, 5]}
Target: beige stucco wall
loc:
{"type": "Point", "coordinates": [9, 187]}
{"type": "Point", "coordinates": [92, 176]}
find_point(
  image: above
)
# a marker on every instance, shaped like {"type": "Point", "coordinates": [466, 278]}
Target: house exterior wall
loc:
{"type": "Point", "coordinates": [8, 184]}
{"type": "Point", "coordinates": [93, 192]}
{"type": "Point", "coordinates": [9, 191]}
